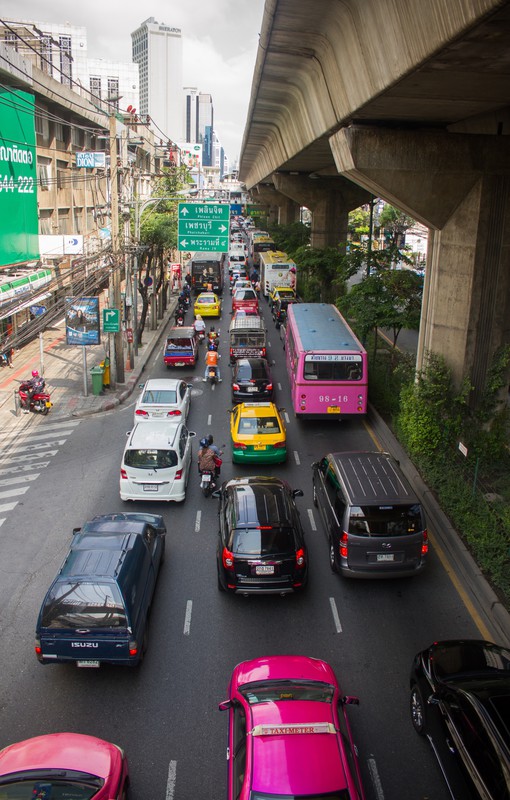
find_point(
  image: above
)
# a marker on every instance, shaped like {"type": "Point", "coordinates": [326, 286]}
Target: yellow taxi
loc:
{"type": "Point", "coordinates": [280, 293]}
{"type": "Point", "coordinates": [257, 432]}
{"type": "Point", "coordinates": [207, 304]}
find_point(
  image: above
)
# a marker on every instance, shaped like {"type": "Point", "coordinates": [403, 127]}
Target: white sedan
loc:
{"type": "Point", "coordinates": [163, 398]}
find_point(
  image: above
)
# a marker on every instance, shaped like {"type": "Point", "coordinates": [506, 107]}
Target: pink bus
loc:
{"type": "Point", "coordinates": [326, 364]}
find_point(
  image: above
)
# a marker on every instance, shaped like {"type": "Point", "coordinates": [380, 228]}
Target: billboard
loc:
{"type": "Point", "coordinates": [82, 320]}
{"type": "Point", "coordinates": [191, 155]}
{"type": "Point", "coordinates": [18, 179]}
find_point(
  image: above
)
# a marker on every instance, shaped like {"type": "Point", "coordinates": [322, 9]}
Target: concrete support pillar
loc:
{"type": "Point", "coordinates": [329, 199]}
{"type": "Point", "coordinates": [288, 212]}
{"type": "Point", "coordinates": [458, 185]}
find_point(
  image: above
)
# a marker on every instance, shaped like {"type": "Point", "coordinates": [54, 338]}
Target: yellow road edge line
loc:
{"type": "Point", "coordinates": [447, 565]}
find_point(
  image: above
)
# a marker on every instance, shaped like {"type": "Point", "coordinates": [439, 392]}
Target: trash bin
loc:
{"type": "Point", "coordinates": [106, 371]}
{"type": "Point", "coordinates": [97, 380]}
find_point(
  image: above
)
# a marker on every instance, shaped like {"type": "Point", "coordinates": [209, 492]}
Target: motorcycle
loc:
{"type": "Point", "coordinates": [34, 400]}
{"type": "Point", "coordinates": [212, 375]}
{"type": "Point", "coordinates": [200, 336]}
{"type": "Point", "coordinates": [179, 321]}
{"type": "Point", "coordinates": [207, 483]}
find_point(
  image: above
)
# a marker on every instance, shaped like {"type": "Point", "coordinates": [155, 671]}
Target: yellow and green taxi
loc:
{"type": "Point", "coordinates": [207, 304]}
{"type": "Point", "coordinates": [257, 432]}
{"type": "Point", "coordinates": [280, 293]}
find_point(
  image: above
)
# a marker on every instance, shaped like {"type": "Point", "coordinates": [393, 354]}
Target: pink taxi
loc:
{"type": "Point", "coordinates": [64, 765]}
{"type": "Point", "coordinates": [288, 732]}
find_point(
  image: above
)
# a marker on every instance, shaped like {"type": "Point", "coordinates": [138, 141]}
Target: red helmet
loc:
{"type": "Point", "coordinates": [35, 374]}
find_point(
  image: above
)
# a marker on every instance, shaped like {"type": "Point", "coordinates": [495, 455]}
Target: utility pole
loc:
{"type": "Point", "coordinates": [117, 362]}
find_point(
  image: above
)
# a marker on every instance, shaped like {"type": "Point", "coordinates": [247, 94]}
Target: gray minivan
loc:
{"type": "Point", "coordinates": [97, 609]}
{"type": "Point", "coordinates": [373, 520]}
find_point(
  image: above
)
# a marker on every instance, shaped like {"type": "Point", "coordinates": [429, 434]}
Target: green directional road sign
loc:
{"type": "Point", "coordinates": [204, 227]}
{"type": "Point", "coordinates": [111, 320]}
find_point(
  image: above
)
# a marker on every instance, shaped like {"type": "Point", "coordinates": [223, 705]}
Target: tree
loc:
{"type": "Point", "coordinates": [322, 273]}
{"type": "Point", "coordinates": [158, 236]}
{"type": "Point", "coordinates": [289, 238]}
{"type": "Point", "coordinates": [384, 299]}
{"type": "Point", "coordinates": [395, 223]}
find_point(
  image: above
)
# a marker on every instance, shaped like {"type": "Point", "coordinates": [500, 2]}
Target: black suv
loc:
{"type": "Point", "coordinates": [261, 544]}
{"type": "Point", "coordinates": [251, 380]}
{"type": "Point", "coordinates": [460, 700]}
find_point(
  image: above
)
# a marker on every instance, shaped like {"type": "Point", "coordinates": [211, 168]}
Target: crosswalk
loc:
{"type": "Point", "coordinates": [24, 454]}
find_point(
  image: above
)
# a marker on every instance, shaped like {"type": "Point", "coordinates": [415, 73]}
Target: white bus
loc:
{"type": "Point", "coordinates": [276, 269]}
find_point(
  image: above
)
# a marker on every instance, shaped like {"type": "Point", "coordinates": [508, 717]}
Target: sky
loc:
{"type": "Point", "coordinates": [220, 39]}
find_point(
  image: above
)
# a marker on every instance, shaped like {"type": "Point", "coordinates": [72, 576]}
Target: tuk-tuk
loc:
{"type": "Point", "coordinates": [247, 336]}
{"type": "Point", "coordinates": [181, 347]}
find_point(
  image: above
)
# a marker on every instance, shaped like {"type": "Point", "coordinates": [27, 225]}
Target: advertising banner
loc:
{"type": "Point", "coordinates": [82, 320]}
{"type": "Point", "coordinates": [18, 179]}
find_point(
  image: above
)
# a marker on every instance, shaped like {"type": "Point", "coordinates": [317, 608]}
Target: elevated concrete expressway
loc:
{"type": "Point", "coordinates": [408, 100]}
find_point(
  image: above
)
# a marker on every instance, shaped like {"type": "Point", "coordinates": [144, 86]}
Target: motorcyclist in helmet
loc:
{"type": "Point", "coordinates": [206, 457]}
{"type": "Point", "coordinates": [211, 360]}
{"type": "Point", "coordinates": [35, 384]}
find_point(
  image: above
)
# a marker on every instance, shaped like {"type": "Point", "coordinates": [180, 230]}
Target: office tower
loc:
{"type": "Point", "coordinates": [157, 49]}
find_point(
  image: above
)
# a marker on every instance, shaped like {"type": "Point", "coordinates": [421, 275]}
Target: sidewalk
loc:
{"type": "Point", "coordinates": [62, 369]}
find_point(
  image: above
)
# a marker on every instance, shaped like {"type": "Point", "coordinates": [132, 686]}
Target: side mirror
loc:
{"type": "Point", "coordinates": [192, 433]}
{"type": "Point", "coordinates": [76, 530]}
{"type": "Point", "coordinates": [127, 433]}
{"type": "Point", "coordinates": [297, 493]}
{"type": "Point", "coordinates": [350, 700]}
{"type": "Point", "coordinates": [217, 495]}
{"type": "Point", "coordinates": [314, 465]}
{"type": "Point", "coordinates": [141, 385]}
{"type": "Point", "coordinates": [226, 703]}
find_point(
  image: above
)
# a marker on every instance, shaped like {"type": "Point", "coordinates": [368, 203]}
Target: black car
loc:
{"type": "Point", "coordinates": [460, 700]}
{"type": "Point", "coordinates": [251, 380]}
{"type": "Point", "coordinates": [261, 544]}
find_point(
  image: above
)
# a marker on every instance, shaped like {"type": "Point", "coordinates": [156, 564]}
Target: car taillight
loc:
{"type": "Point", "coordinates": [133, 648]}
{"type": "Point", "coordinates": [279, 444]}
{"type": "Point", "coordinates": [425, 543]}
{"type": "Point", "coordinates": [235, 387]}
{"type": "Point", "coordinates": [174, 413]}
{"type": "Point", "coordinates": [227, 558]}
{"type": "Point", "coordinates": [343, 544]}
{"type": "Point", "coordinates": [239, 445]}
{"type": "Point", "coordinates": [262, 352]}
{"type": "Point", "coordinates": [141, 413]}
{"type": "Point", "coordinates": [123, 474]}
{"type": "Point", "coordinates": [300, 557]}
{"type": "Point", "coordinates": [269, 387]}
{"type": "Point", "coordinates": [178, 474]}
{"type": "Point", "coordinates": [38, 648]}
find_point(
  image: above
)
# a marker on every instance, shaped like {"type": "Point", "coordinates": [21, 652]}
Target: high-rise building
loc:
{"type": "Point", "coordinates": [199, 121]}
{"type": "Point", "coordinates": [157, 49]}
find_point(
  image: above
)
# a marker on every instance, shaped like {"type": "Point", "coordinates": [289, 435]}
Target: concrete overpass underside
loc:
{"type": "Point", "coordinates": [409, 101]}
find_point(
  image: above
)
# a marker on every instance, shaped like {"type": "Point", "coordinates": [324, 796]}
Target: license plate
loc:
{"type": "Point", "coordinates": [48, 404]}
{"type": "Point", "coordinates": [259, 447]}
{"type": "Point", "coordinates": [385, 556]}
{"type": "Point", "coordinates": [333, 409]}
{"type": "Point", "coordinates": [150, 487]}
{"type": "Point", "coordinates": [180, 364]}
{"type": "Point", "coordinates": [94, 664]}
{"type": "Point", "coordinates": [206, 478]}
{"type": "Point", "coordinates": [251, 388]}
{"type": "Point", "coordinates": [158, 413]}
{"type": "Point", "coordinates": [264, 570]}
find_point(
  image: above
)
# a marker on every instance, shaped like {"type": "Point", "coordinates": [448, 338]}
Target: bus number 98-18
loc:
{"type": "Point", "coordinates": [325, 398]}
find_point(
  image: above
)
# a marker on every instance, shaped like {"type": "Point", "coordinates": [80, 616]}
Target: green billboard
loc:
{"type": "Point", "coordinates": [19, 240]}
